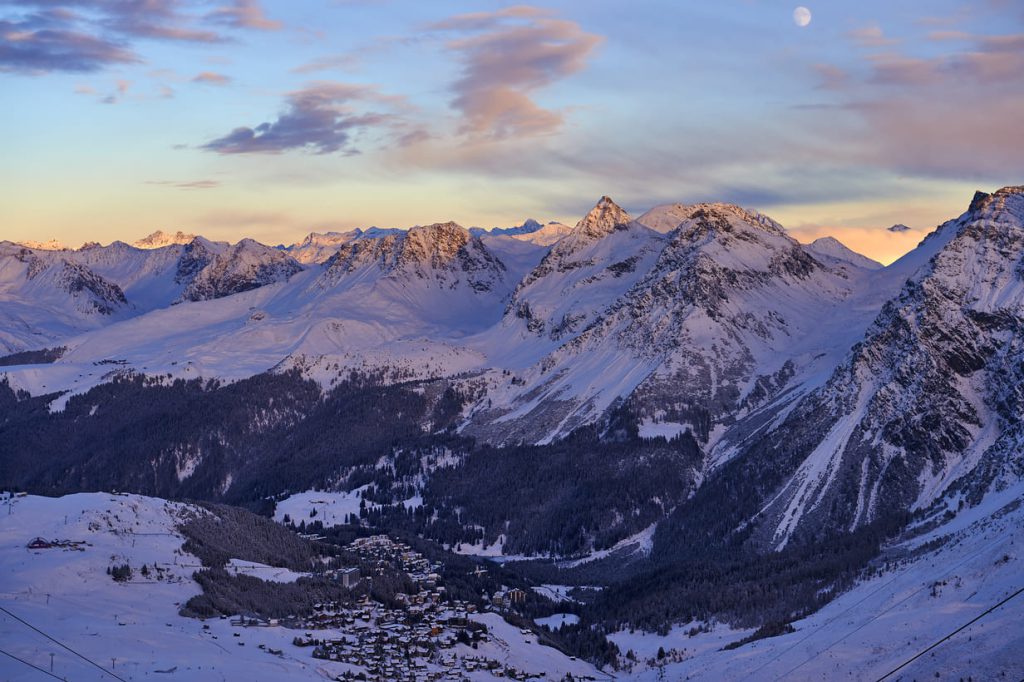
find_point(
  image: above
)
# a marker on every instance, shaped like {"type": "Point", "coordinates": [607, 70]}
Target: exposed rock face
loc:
{"type": "Point", "coordinates": [89, 292]}
{"type": "Point", "coordinates": [318, 247]}
{"type": "Point", "coordinates": [931, 396]}
{"type": "Point", "coordinates": [160, 239]}
{"type": "Point", "coordinates": [442, 255]}
{"type": "Point", "coordinates": [210, 270]}
{"type": "Point", "coordinates": [682, 326]}
{"type": "Point", "coordinates": [91, 289]}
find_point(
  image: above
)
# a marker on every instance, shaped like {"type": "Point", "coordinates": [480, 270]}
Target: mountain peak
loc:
{"type": "Point", "coordinates": [667, 217]}
{"type": "Point", "coordinates": [603, 219]}
{"type": "Point", "coordinates": [831, 247]}
{"type": "Point", "coordinates": [1008, 200]}
{"type": "Point", "coordinates": [438, 242]}
{"type": "Point", "coordinates": [160, 239]}
{"type": "Point", "coordinates": [444, 253]}
{"type": "Point", "coordinates": [899, 227]}
{"type": "Point", "coordinates": [49, 245]}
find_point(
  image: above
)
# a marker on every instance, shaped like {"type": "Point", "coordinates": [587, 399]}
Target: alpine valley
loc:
{"type": "Point", "coordinates": [681, 434]}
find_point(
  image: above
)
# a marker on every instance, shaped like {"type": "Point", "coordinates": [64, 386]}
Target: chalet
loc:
{"type": "Point", "coordinates": [40, 543]}
{"type": "Point", "coordinates": [516, 596]}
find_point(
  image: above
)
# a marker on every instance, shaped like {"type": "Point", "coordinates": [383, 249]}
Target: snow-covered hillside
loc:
{"type": "Point", "coordinates": [47, 296]}
{"type": "Point", "coordinates": [63, 596]}
{"type": "Point", "coordinates": [160, 239]}
{"type": "Point", "coordinates": [928, 399]}
{"type": "Point", "coordinates": [530, 231]}
{"type": "Point", "coordinates": [318, 247]}
{"type": "Point", "coordinates": [927, 588]}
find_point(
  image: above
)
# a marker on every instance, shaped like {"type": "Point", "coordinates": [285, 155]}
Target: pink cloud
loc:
{"type": "Point", "coordinates": [245, 14]}
{"type": "Point", "coordinates": [507, 56]}
{"type": "Point", "coordinates": [211, 78]}
{"type": "Point", "coordinates": [871, 36]}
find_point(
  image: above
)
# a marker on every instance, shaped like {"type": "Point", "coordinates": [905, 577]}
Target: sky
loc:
{"type": "Point", "coordinates": [275, 118]}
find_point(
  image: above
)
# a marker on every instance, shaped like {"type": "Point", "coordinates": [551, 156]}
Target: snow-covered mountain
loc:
{"type": "Point", "coordinates": [848, 390]}
{"type": "Point", "coordinates": [210, 270]}
{"type": "Point", "coordinates": [694, 327]}
{"type": "Point", "coordinates": [830, 248]}
{"type": "Point", "coordinates": [317, 247]}
{"type": "Point", "coordinates": [928, 404]}
{"type": "Point", "coordinates": [47, 295]}
{"type": "Point", "coordinates": [530, 231]}
{"type": "Point", "coordinates": [48, 245]}
{"type": "Point", "coordinates": [637, 397]}
{"type": "Point", "coordinates": [529, 226]}
{"type": "Point", "coordinates": [160, 239]}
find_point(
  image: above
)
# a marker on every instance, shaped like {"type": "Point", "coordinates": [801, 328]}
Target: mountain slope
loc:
{"type": "Point", "coordinates": [160, 239]}
{"type": "Point", "coordinates": [317, 247]}
{"type": "Point", "coordinates": [831, 248]}
{"type": "Point", "coordinates": [46, 295]}
{"type": "Point", "coordinates": [927, 404]}
{"type": "Point", "coordinates": [211, 270]}
{"type": "Point", "coordinates": [689, 328]}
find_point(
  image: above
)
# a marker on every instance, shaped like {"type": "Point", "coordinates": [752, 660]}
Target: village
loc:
{"type": "Point", "coordinates": [420, 635]}
{"type": "Point", "coordinates": [426, 638]}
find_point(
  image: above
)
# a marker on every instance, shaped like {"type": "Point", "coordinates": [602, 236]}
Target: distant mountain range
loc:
{"type": "Point", "coordinates": [820, 391]}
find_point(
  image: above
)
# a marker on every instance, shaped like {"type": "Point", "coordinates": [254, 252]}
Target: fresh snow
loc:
{"type": "Point", "coordinates": [557, 620]}
{"type": "Point", "coordinates": [331, 508]}
{"type": "Point", "coordinates": [272, 574]}
{"type": "Point", "coordinates": [134, 628]}
{"type": "Point", "coordinates": [923, 596]}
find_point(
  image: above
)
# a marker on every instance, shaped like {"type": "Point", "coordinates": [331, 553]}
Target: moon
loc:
{"type": "Point", "coordinates": [801, 16]}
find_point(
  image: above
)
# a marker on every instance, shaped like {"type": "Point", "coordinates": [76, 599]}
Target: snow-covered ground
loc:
{"type": "Point", "coordinates": [884, 622]}
{"type": "Point", "coordinates": [133, 629]}
{"type": "Point", "coordinates": [557, 620]}
{"type": "Point", "coordinates": [271, 574]}
{"type": "Point", "coordinates": [330, 509]}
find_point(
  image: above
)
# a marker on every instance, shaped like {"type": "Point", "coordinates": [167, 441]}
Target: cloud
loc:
{"type": "Point", "coordinates": [155, 19]}
{"type": "Point", "coordinates": [832, 77]}
{"type": "Point", "coordinates": [43, 43]}
{"type": "Point", "coordinates": [89, 35]}
{"type": "Point", "coordinates": [244, 14]}
{"type": "Point", "coordinates": [871, 36]}
{"type": "Point", "coordinates": [894, 69]}
{"type": "Point", "coordinates": [326, 63]}
{"type": "Point", "coordinates": [211, 78]}
{"type": "Point", "coordinates": [951, 115]}
{"type": "Point", "coordinates": [321, 118]}
{"type": "Point", "coordinates": [986, 60]}
{"type": "Point", "coordinates": [506, 57]}
{"type": "Point", "coordinates": [874, 242]}
{"type": "Point", "coordinates": [188, 184]}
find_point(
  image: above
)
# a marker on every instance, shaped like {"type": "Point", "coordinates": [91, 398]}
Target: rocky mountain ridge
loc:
{"type": "Point", "coordinates": [835, 393]}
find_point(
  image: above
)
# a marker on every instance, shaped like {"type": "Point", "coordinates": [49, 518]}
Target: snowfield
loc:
{"type": "Point", "coordinates": [885, 621]}
{"type": "Point", "coordinates": [133, 629]}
